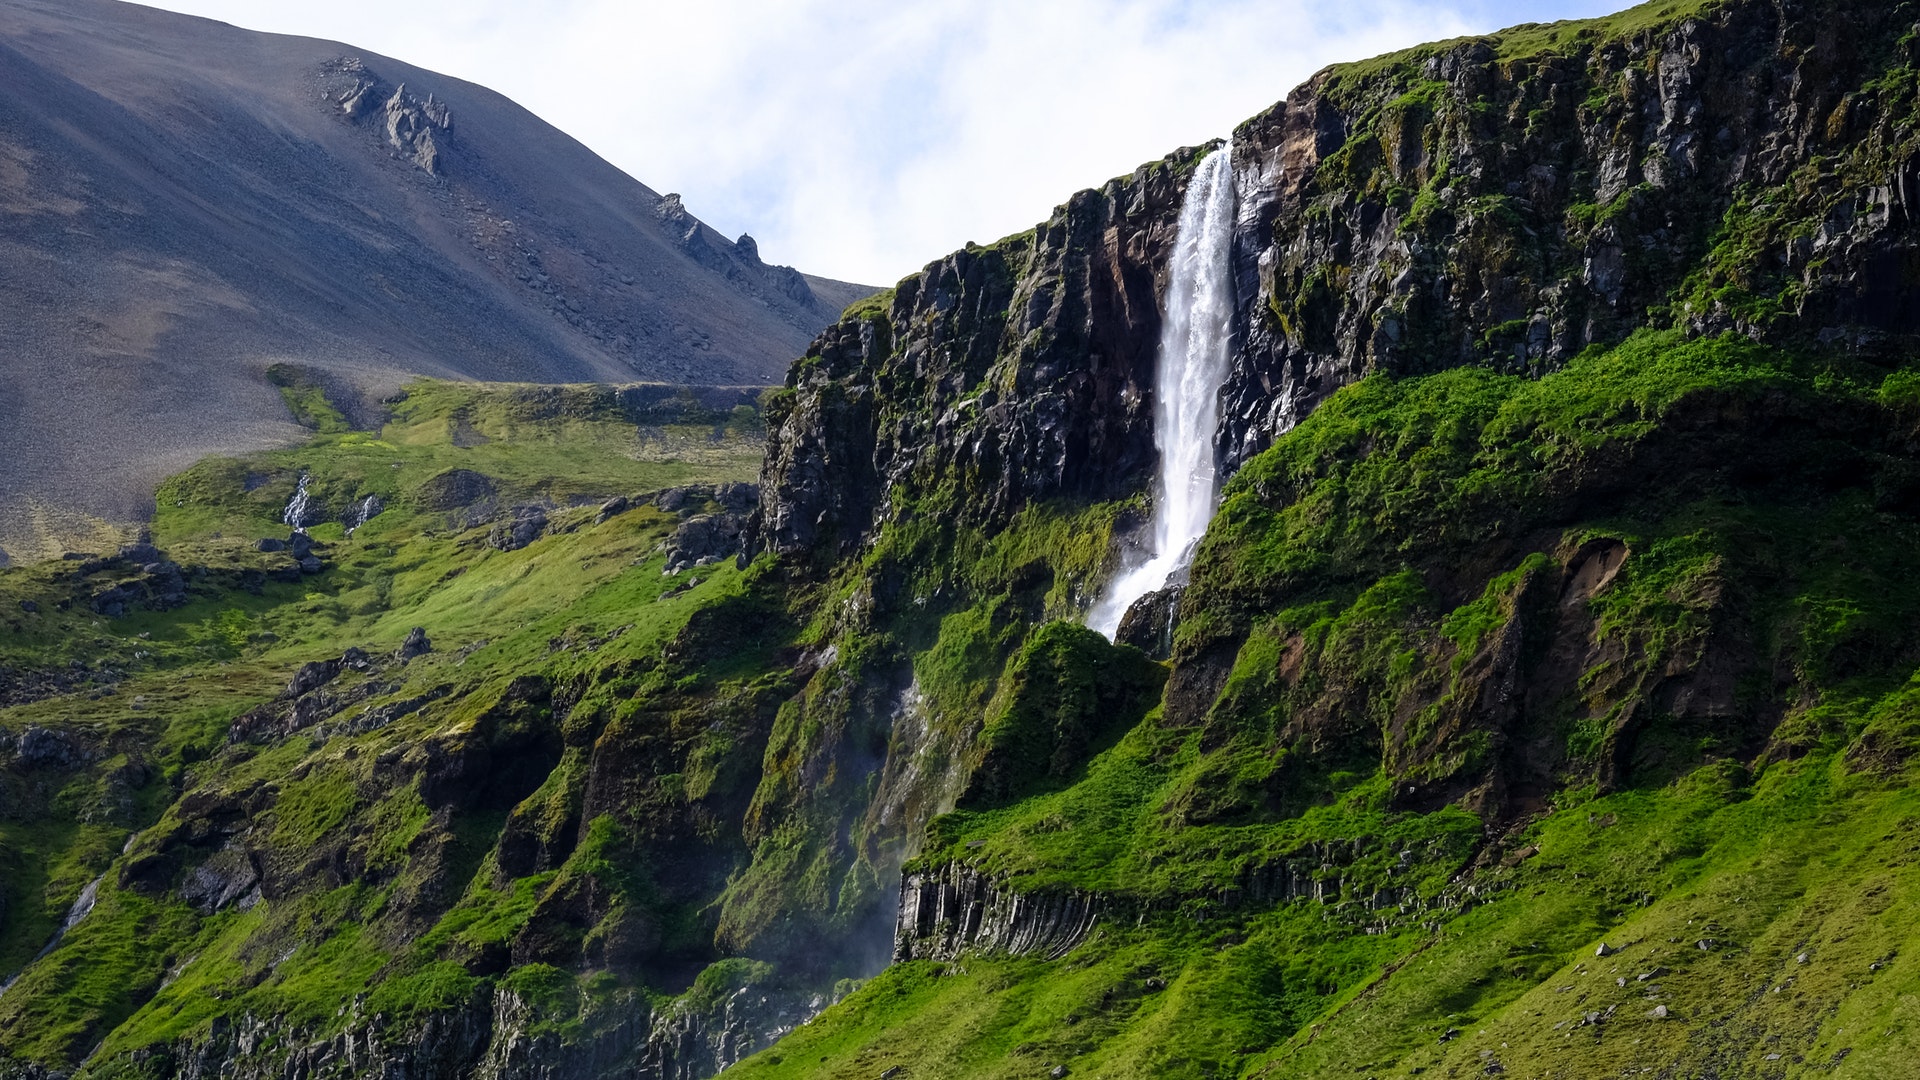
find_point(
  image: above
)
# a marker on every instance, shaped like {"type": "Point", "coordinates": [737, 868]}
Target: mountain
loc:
{"type": "Point", "coordinates": [188, 204]}
{"type": "Point", "coordinates": [1540, 700]}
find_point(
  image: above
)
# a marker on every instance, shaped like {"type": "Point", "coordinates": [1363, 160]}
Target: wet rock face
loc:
{"type": "Point", "coordinates": [998, 375]}
{"type": "Point", "coordinates": [1149, 624]}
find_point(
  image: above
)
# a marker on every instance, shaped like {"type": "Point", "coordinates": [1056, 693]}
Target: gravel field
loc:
{"type": "Point", "coordinates": [184, 204]}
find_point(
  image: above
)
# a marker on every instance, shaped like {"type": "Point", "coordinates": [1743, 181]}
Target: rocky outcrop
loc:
{"type": "Point", "coordinates": [703, 540]}
{"type": "Point", "coordinates": [995, 377]}
{"type": "Point", "coordinates": [523, 527]}
{"type": "Point", "coordinates": [315, 694]}
{"type": "Point", "coordinates": [229, 877]}
{"type": "Point", "coordinates": [1455, 206]}
{"type": "Point", "coordinates": [413, 127]}
{"type": "Point", "coordinates": [1443, 207]}
{"type": "Point", "coordinates": [955, 909]}
{"type": "Point", "coordinates": [442, 1046]}
{"type": "Point", "coordinates": [503, 1035]}
{"type": "Point", "coordinates": [454, 489]}
{"type": "Point", "coordinates": [691, 1041]}
{"type": "Point", "coordinates": [1149, 624]}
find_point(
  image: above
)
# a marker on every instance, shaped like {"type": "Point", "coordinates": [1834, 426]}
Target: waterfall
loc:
{"type": "Point", "coordinates": [82, 907]}
{"type": "Point", "coordinates": [364, 511]}
{"type": "Point", "coordinates": [299, 506]}
{"type": "Point", "coordinates": [1192, 364]}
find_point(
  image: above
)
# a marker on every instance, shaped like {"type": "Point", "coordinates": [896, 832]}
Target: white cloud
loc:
{"type": "Point", "coordinates": [861, 138]}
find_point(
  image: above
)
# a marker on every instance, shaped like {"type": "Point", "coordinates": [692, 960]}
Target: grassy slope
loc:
{"type": "Point", "coordinates": [189, 671]}
{"type": "Point", "coordinates": [1802, 843]}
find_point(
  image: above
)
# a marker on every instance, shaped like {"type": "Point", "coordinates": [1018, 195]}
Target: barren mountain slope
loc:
{"type": "Point", "coordinates": [184, 203]}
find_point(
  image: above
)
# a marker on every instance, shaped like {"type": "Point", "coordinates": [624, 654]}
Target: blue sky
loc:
{"type": "Point", "coordinates": [861, 138]}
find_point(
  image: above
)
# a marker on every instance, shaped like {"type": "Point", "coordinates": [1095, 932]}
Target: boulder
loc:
{"type": "Point", "coordinates": [141, 554]}
{"type": "Point", "coordinates": [702, 540]}
{"type": "Point", "coordinates": [523, 528]}
{"type": "Point", "coordinates": [415, 645]}
{"type": "Point", "coordinates": [737, 498]}
{"type": "Point", "coordinates": [313, 676]}
{"type": "Point", "coordinates": [612, 508]}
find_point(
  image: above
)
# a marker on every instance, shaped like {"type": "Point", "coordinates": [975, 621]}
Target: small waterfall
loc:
{"type": "Point", "coordinates": [364, 511]}
{"type": "Point", "coordinates": [82, 906]}
{"type": "Point", "coordinates": [299, 506]}
{"type": "Point", "coordinates": [1192, 365]}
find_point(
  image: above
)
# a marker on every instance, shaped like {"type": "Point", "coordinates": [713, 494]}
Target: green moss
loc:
{"type": "Point", "coordinates": [869, 308]}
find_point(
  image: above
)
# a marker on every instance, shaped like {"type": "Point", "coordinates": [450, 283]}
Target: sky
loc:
{"type": "Point", "coordinates": [860, 139]}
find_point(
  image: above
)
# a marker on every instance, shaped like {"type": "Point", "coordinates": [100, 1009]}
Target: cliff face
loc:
{"type": "Point", "coordinates": [1547, 669]}
{"type": "Point", "coordinates": [994, 378]}
{"type": "Point", "coordinates": [1500, 202]}
{"type": "Point", "coordinates": [1509, 202]}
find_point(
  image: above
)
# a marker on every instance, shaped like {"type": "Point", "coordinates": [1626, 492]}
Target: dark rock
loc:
{"type": "Point", "coordinates": [165, 585]}
{"type": "Point", "coordinates": [300, 544]}
{"type": "Point", "coordinates": [526, 525]}
{"type": "Point", "coordinates": [269, 544]}
{"type": "Point", "coordinates": [703, 540]}
{"type": "Point", "coordinates": [1149, 624]}
{"type": "Point", "coordinates": [611, 508]}
{"type": "Point", "coordinates": [956, 909]}
{"type": "Point", "coordinates": [415, 645]}
{"type": "Point", "coordinates": [365, 509]}
{"type": "Point", "coordinates": [140, 554]}
{"type": "Point", "coordinates": [227, 877]}
{"type": "Point", "coordinates": [453, 490]}
{"type": "Point", "coordinates": [676, 499]}
{"type": "Point", "coordinates": [312, 565]}
{"type": "Point", "coordinates": [30, 607]}
{"type": "Point", "coordinates": [113, 603]}
{"type": "Point", "coordinates": [313, 676]}
{"type": "Point", "coordinates": [737, 498]}
{"type": "Point", "coordinates": [45, 748]}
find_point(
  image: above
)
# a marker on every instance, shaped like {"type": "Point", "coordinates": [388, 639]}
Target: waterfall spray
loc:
{"type": "Point", "coordinates": [1192, 365]}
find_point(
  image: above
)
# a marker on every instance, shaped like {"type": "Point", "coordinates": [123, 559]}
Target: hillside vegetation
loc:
{"type": "Point", "coordinates": [1543, 700]}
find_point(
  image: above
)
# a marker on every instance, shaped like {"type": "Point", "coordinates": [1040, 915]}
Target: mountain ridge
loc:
{"type": "Point", "coordinates": [195, 203]}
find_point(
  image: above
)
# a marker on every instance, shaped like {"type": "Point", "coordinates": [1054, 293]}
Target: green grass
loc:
{"type": "Point", "coordinates": [581, 603]}
{"type": "Point", "coordinates": [1361, 579]}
